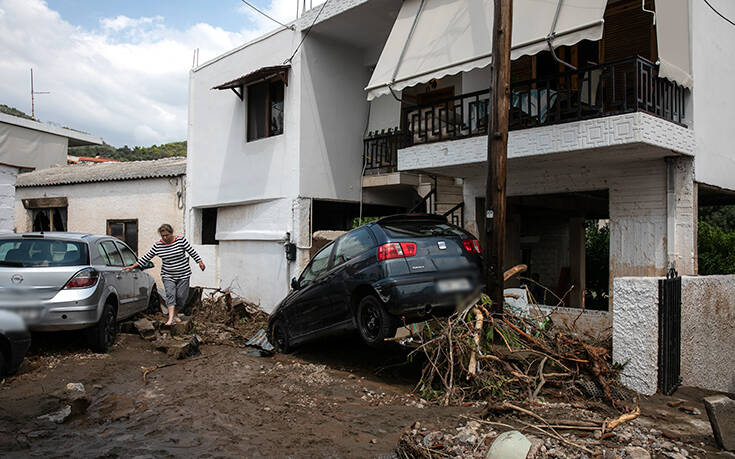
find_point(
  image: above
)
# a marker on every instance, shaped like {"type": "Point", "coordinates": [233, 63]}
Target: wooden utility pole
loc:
{"type": "Point", "coordinates": [497, 152]}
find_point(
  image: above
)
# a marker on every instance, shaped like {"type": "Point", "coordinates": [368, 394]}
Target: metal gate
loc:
{"type": "Point", "coordinates": [669, 333]}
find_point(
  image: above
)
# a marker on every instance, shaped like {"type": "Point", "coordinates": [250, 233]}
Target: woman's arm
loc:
{"type": "Point", "coordinates": [193, 253]}
{"type": "Point", "coordinates": [143, 260]}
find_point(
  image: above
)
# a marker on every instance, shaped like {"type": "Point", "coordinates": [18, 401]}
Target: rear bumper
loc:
{"type": "Point", "coordinates": [67, 310]}
{"type": "Point", "coordinates": [416, 296]}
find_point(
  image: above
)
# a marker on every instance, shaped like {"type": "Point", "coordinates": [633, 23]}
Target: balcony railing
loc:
{"type": "Point", "coordinates": [625, 86]}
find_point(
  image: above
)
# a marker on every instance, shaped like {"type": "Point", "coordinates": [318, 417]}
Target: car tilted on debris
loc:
{"type": "Point", "coordinates": [70, 281]}
{"type": "Point", "coordinates": [14, 342]}
{"type": "Point", "coordinates": [397, 270]}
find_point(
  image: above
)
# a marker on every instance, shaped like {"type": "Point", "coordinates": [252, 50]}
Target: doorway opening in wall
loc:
{"type": "Point", "coordinates": [343, 216]}
{"type": "Point", "coordinates": [125, 230]}
{"type": "Point", "coordinates": [209, 226]}
{"type": "Point", "coordinates": [563, 239]}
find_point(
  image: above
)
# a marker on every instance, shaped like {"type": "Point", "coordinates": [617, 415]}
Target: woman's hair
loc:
{"type": "Point", "coordinates": [165, 227]}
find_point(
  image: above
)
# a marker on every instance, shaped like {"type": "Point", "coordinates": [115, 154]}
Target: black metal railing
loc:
{"type": "Point", "coordinates": [455, 215]}
{"type": "Point", "coordinates": [380, 150]}
{"type": "Point", "coordinates": [624, 86]}
{"type": "Point", "coordinates": [669, 333]}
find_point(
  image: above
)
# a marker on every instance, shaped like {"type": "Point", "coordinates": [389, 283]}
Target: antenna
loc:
{"type": "Point", "coordinates": [33, 93]}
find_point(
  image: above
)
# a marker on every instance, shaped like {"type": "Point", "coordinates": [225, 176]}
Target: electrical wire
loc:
{"type": "Point", "coordinates": [718, 13]}
{"type": "Point", "coordinates": [287, 61]}
{"type": "Point", "coordinates": [266, 15]}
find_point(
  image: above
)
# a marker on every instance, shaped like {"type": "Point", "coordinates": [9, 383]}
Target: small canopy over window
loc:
{"type": "Point", "coordinates": [434, 38]}
{"type": "Point", "coordinates": [262, 74]}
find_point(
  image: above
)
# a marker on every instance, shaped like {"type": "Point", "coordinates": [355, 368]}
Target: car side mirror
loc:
{"type": "Point", "coordinates": [147, 265]}
{"type": "Point", "coordinates": [295, 283]}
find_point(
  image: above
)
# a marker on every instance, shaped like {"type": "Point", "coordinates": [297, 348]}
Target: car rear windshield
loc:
{"type": "Point", "coordinates": [42, 252]}
{"type": "Point", "coordinates": [420, 228]}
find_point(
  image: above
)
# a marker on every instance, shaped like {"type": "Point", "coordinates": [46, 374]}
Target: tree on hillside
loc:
{"type": "Point", "coordinates": [125, 153]}
{"type": "Point", "coordinates": [14, 111]}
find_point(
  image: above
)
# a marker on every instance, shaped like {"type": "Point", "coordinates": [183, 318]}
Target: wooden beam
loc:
{"type": "Point", "coordinates": [43, 203]}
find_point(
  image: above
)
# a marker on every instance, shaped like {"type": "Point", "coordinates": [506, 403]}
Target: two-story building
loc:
{"type": "Point", "coordinates": [366, 107]}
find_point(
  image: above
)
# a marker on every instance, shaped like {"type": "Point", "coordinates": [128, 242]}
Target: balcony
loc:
{"type": "Point", "coordinates": [625, 86]}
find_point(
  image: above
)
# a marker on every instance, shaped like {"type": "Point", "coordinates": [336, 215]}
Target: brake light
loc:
{"type": "Point", "coordinates": [33, 236]}
{"type": "Point", "coordinates": [396, 250]}
{"type": "Point", "coordinates": [83, 279]}
{"type": "Point", "coordinates": [472, 245]}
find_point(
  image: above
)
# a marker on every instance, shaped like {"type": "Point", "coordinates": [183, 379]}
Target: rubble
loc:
{"type": "Point", "coordinates": [183, 327]}
{"type": "Point", "coordinates": [59, 417]}
{"type": "Point", "coordinates": [146, 329]}
{"type": "Point", "coordinates": [223, 318]}
{"type": "Point", "coordinates": [509, 445]}
{"type": "Point", "coordinates": [77, 398]}
{"type": "Point", "coordinates": [721, 413]}
{"type": "Point", "coordinates": [179, 348]}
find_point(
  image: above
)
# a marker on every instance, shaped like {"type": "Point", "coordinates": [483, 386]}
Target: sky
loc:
{"type": "Point", "coordinates": [119, 69]}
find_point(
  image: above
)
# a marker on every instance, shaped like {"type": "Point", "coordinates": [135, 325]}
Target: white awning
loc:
{"type": "Point", "coordinates": [434, 38]}
{"type": "Point", "coordinates": [672, 36]}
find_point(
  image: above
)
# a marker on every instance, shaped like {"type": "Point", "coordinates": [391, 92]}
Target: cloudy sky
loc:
{"type": "Point", "coordinates": [119, 68]}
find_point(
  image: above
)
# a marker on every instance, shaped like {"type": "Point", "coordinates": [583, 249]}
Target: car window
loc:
{"type": "Point", "coordinates": [353, 244]}
{"type": "Point", "coordinates": [318, 265]}
{"type": "Point", "coordinates": [103, 254]}
{"type": "Point", "coordinates": [420, 228]}
{"type": "Point", "coordinates": [42, 252]}
{"type": "Point", "coordinates": [113, 256]}
{"type": "Point", "coordinates": [128, 256]}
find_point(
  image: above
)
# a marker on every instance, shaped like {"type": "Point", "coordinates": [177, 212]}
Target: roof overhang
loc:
{"type": "Point", "coordinates": [434, 38]}
{"type": "Point", "coordinates": [76, 138]}
{"type": "Point", "coordinates": [262, 74]}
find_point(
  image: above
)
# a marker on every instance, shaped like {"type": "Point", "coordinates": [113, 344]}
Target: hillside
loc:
{"type": "Point", "coordinates": [14, 111]}
{"type": "Point", "coordinates": [126, 153]}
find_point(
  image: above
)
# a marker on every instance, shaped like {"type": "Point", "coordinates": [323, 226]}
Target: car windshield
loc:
{"type": "Point", "coordinates": [420, 228]}
{"type": "Point", "coordinates": [27, 252]}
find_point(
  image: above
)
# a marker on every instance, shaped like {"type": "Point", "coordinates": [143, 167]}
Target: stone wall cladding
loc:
{"type": "Point", "coordinates": [610, 131]}
{"type": "Point", "coordinates": [708, 332]}
{"type": "Point", "coordinates": [635, 332]}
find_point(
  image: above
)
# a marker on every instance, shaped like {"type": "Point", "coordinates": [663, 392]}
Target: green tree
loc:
{"type": "Point", "coordinates": [716, 249]}
{"type": "Point", "coordinates": [597, 265]}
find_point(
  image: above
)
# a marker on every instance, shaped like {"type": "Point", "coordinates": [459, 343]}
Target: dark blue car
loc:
{"type": "Point", "coordinates": [397, 270]}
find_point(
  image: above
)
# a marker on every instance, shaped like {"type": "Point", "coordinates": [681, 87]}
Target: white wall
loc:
{"type": "Point", "coordinates": [713, 62]}
{"type": "Point", "coordinates": [151, 201]}
{"type": "Point", "coordinates": [7, 197]}
{"type": "Point", "coordinates": [333, 119]}
{"type": "Point", "coordinates": [29, 148]}
{"type": "Point", "coordinates": [223, 167]}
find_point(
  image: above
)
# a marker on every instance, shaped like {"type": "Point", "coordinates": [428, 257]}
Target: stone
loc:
{"type": "Point", "coordinates": [146, 329]}
{"type": "Point", "coordinates": [635, 452]}
{"type": "Point", "coordinates": [182, 328]}
{"type": "Point", "coordinates": [179, 348]}
{"type": "Point", "coordinates": [509, 445]}
{"type": "Point", "coordinates": [76, 397]}
{"type": "Point", "coordinates": [59, 417]}
{"type": "Point", "coordinates": [721, 413]}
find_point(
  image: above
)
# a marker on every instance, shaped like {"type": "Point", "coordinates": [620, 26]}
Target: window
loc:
{"type": "Point", "coordinates": [49, 219]}
{"type": "Point", "coordinates": [318, 265]}
{"type": "Point", "coordinates": [125, 230]}
{"type": "Point", "coordinates": [42, 252]}
{"type": "Point", "coordinates": [209, 226]}
{"type": "Point", "coordinates": [265, 109]}
{"type": "Point", "coordinates": [112, 256]}
{"type": "Point", "coordinates": [352, 245]}
{"type": "Point", "coordinates": [128, 256]}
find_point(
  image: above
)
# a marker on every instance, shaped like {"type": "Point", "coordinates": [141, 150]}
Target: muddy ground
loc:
{"type": "Point", "coordinates": [335, 398]}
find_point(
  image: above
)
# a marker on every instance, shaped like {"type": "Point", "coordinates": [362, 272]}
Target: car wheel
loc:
{"type": "Point", "coordinates": [279, 337]}
{"type": "Point", "coordinates": [3, 368]}
{"type": "Point", "coordinates": [154, 302]}
{"type": "Point", "coordinates": [373, 322]}
{"type": "Point", "coordinates": [102, 336]}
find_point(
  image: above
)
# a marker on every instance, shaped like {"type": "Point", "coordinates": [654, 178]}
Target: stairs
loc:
{"type": "Point", "coordinates": [446, 197]}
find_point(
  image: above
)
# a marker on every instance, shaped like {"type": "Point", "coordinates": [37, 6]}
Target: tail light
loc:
{"type": "Point", "coordinates": [472, 245]}
{"type": "Point", "coordinates": [396, 250]}
{"type": "Point", "coordinates": [83, 279]}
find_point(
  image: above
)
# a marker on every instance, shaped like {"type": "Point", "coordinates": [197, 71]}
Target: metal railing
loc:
{"type": "Point", "coordinates": [380, 150]}
{"type": "Point", "coordinates": [455, 215]}
{"type": "Point", "coordinates": [669, 333]}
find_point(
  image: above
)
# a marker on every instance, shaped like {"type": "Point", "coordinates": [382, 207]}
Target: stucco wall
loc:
{"type": "Point", "coordinates": [635, 332]}
{"type": "Point", "coordinates": [29, 148]}
{"type": "Point", "coordinates": [7, 197]}
{"type": "Point", "coordinates": [151, 201]}
{"type": "Point", "coordinates": [713, 62]}
{"type": "Point", "coordinates": [708, 332]}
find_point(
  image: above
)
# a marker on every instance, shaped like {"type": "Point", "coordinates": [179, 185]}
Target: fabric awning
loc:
{"type": "Point", "coordinates": [672, 36]}
{"type": "Point", "coordinates": [434, 38]}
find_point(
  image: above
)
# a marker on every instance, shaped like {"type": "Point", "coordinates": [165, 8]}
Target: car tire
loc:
{"type": "Point", "coordinates": [3, 366]}
{"type": "Point", "coordinates": [154, 302]}
{"type": "Point", "coordinates": [102, 336]}
{"type": "Point", "coordinates": [373, 322]}
{"type": "Point", "coordinates": [279, 338]}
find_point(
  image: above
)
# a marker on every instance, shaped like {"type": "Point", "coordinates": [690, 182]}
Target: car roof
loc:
{"type": "Point", "coordinates": [68, 236]}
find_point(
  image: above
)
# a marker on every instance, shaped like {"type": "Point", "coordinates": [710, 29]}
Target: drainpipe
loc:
{"type": "Point", "coordinates": [671, 252]}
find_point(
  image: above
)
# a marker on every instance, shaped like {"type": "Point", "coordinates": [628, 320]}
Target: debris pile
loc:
{"type": "Point", "coordinates": [223, 318]}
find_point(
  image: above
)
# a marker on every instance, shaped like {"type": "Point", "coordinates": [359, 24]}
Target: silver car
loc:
{"type": "Point", "coordinates": [70, 281]}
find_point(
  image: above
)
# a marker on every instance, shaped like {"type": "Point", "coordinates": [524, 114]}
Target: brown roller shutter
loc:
{"type": "Point", "coordinates": [629, 31]}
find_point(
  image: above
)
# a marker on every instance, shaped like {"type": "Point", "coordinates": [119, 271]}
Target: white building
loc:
{"type": "Point", "coordinates": [28, 145]}
{"type": "Point", "coordinates": [636, 135]}
{"type": "Point", "coordinates": [128, 200]}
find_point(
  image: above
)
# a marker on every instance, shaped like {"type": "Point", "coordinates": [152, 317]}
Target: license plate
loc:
{"type": "Point", "coordinates": [453, 285]}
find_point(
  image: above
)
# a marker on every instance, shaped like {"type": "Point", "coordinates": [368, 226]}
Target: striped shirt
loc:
{"type": "Point", "coordinates": [175, 263]}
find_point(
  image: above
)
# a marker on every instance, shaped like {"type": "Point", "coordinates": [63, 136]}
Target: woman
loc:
{"type": "Point", "coordinates": [175, 271]}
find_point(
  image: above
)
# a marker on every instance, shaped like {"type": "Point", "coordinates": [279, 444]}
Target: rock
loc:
{"type": "Point", "coordinates": [721, 413]}
{"type": "Point", "coordinates": [182, 328]}
{"type": "Point", "coordinates": [635, 452]}
{"type": "Point", "coordinates": [58, 417]}
{"type": "Point", "coordinates": [690, 410]}
{"type": "Point", "coordinates": [76, 397]}
{"type": "Point", "coordinates": [373, 441]}
{"type": "Point", "coordinates": [179, 348]}
{"type": "Point", "coordinates": [75, 387]}
{"type": "Point", "coordinates": [146, 329]}
{"type": "Point", "coordinates": [509, 445]}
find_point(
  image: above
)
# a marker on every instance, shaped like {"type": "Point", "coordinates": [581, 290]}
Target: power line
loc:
{"type": "Point", "coordinates": [718, 13]}
{"type": "Point", "coordinates": [307, 32]}
{"type": "Point", "coordinates": [264, 14]}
